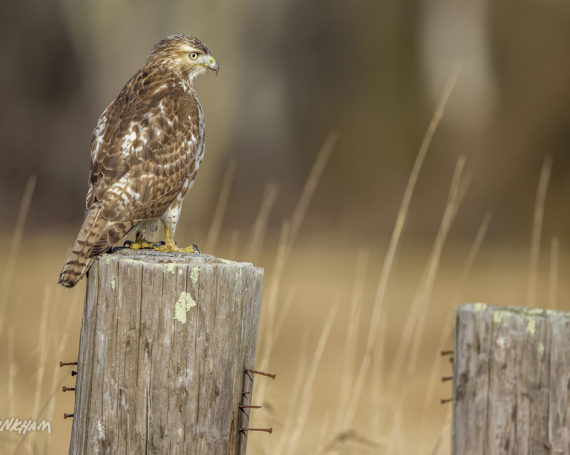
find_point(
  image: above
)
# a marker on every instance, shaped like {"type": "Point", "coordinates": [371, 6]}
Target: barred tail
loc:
{"type": "Point", "coordinates": [95, 237]}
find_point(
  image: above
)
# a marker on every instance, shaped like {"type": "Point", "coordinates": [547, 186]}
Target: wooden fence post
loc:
{"type": "Point", "coordinates": [165, 341]}
{"type": "Point", "coordinates": [511, 381]}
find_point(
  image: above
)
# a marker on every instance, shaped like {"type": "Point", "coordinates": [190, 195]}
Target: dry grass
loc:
{"type": "Point", "coordinates": [354, 334]}
{"type": "Point", "coordinates": [537, 229]}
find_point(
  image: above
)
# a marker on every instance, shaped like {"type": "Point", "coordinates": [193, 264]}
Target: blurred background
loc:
{"type": "Point", "coordinates": [314, 124]}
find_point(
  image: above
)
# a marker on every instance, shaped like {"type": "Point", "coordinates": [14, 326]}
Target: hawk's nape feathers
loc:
{"type": "Point", "coordinates": [145, 152]}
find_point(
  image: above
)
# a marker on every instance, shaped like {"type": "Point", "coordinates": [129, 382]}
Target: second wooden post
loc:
{"type": "Point", "coordinates": [511, 391]}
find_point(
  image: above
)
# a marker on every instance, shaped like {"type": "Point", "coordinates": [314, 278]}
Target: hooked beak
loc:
{"type": "Point", "coordinates": [213, 65]}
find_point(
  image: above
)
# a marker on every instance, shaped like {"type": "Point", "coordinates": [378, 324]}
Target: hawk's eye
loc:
{"type": "Point", "coordinates": [193, 55]}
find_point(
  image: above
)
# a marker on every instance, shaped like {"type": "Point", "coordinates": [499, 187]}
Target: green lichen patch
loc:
{"type": "Point", "coordinates": [194, 274]}
{"type": "Point", "coordinates": [182, 306]}
{"type": "Point", "coordinates": [531, 326]}
{"type": "Point", "coordinates": [501, 315]}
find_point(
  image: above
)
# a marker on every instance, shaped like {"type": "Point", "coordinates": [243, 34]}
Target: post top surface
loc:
{"type": "Point", "coordinates": [159, 257]}
{"type": "Point", "coordinates": [519, 311]}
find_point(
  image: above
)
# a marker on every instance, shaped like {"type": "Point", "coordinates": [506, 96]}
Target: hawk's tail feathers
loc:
{"type": "Point", "coordinates": [95, 237]}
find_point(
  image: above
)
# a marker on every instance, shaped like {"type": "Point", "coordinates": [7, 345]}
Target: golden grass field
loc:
{"type": "Point", "coordinates": [399, 414]}
{"type": "Point", "coordinates": [353, 327]}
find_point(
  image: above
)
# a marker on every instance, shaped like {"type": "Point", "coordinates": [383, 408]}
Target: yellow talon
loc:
{"type": "Point", "coordinates": [139, 244]}
{"type": "Point", "coordinates": [171, 247]}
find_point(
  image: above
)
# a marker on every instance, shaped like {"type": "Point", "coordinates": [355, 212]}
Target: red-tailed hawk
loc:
{"type": "Point", "coordinates": [145, 152]}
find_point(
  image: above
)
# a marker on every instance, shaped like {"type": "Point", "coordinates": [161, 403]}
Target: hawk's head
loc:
{"type": "Point", "coordinates": [183, 54]}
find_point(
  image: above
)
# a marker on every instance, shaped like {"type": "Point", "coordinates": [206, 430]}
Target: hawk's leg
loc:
{"type": "Point", "coordinates": [139, 244]}
{"type": "Point", "coordinates": [171, 247]}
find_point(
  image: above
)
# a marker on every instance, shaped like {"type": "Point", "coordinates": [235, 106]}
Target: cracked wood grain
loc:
{"type": "Point", "coordinates": [164, 343]}
{"type": "Point", "coordinates": [511, 381]}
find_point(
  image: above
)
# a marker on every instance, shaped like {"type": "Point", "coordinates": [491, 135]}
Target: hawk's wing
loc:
{"type": "Point", "coordinates": [143, 148]}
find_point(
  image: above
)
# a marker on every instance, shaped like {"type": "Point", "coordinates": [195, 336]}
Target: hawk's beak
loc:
{"type": "Point", "coordinates": [213, 65]}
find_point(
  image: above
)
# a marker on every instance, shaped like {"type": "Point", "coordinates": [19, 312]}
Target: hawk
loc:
{"type": "Point", "coordinates": [145, 152]}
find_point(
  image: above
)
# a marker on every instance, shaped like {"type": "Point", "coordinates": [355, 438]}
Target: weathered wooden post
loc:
{"type": "Point", "coordinates": [165, 342]}
{"type": "Point", "coordinates": [511, 381]}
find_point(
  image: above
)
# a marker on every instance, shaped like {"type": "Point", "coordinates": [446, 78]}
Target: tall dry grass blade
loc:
{"type": "Point", "coordinates": [11, 373]}
{"type": "Point", "coordinates": [18, 231]}
{"type": "Point", "coordinates": [216, 226]}
{"type": "Point", "coordinates": [456, 193]}
{"type": "Point", "coordinates": [553, 273]}
{"type": "Point", "coordinates": [287, 238]}
{"type": "Point", "coordinates": [15, 246]}
{"type": "Point", "coordinates": [537, 229]}
{"type": "Point", "coordinates": [260, 225]}
{"type": "Point", "coordinates": [445, 336]}
{"type": "Point", "coordinates": [290, 229]}
{"type": "Point", "coordinates": [323, 432]}
{"type": "Point", "coordinates": [472, 255]}
{"type": "Point", "coordinates": [349, 352]}
{"type": "Point", "coordinates": [294, 396]}
{"type": "Point", "coordinates": [414, 325]}
{"type": "Point", "coordinates": [423, 292]}
{"type": "Point", "coordinates": [397, 232]}
{"type": "Point", "coordinates": [283, 314]}
{"type": "Point", "coordinates": [43, 342]}
{"type": "Point", "coordinates": [395, 432]}
{"type": "Point", "coordinates": [445, 433]}
{"type": "Point", "coordinates": [311, 185]}
{"type": "Point", "coordinates": [307, 392]}
{"type": "Point", "coordinates": [268, 318]}
{"type": "Point", "coordinates": [234, 244]}
{"type": "Point", "coordinates": [270, 344]}
{"type": "Point", "coordinates": [378, 412]}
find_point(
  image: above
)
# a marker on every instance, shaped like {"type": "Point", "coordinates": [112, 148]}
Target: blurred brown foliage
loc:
{"type": "Point", "coordinates": [291, 71]}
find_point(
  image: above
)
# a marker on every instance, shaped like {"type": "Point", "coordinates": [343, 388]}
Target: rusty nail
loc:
{"type": "Point", "coordinates": [243, 394]}
{"type": "Point", "coordinates": [248, 406]}
{"type": "Point", "coordinates": [447, 378]}
{"type": "Point", "coordinates": [446, 400]}
{"type": "Point", "coordinates": [73, 373]}
{"type": "Point", "coordinates": [267, 430]}
{"type": "Point", "coordinates": [67, 416]}
{"type": "Point", "coordinates": [67, 389]}
{"type": "Point", "coordinates": [269, 375]}
{"type": "Point", "coordinates": [65, 364]}
{"type": "Point", "coordinates": [444, 353]}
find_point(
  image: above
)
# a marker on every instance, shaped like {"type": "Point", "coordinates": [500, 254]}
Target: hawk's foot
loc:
{"type": "Point", "coordinates": [173, 248]}
{"type": "Point", "coordinates": [169, 246]}
{"type": "Point", "coordinates": [139, 244]}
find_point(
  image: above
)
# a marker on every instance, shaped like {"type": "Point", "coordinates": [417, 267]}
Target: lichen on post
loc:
{"type": "Point", "coordinates": [165, 341]}
{"type": "Point", "coordinates": [511, 377]}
